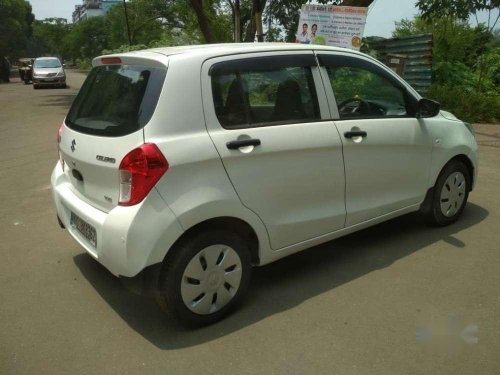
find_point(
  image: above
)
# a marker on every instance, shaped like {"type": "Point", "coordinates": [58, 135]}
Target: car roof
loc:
{"type": "Point", "coordinates": [47, 58]}
{"type": "Point", "coordinates": [210, 50]}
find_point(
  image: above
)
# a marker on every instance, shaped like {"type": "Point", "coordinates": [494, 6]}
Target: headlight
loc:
{"type": "Point", "coordinates": [60, 74]}
{"type": "Point", "coordinates": [470, 127]}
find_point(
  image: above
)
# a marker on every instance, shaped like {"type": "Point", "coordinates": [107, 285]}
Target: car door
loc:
{"type": "Point", "coordinates": [264, 113]}
{"type": "Point", "coordinates": [387, 150]}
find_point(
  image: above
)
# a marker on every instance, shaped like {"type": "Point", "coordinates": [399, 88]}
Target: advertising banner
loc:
{"type": "Point", "coordinates": [332, 25]}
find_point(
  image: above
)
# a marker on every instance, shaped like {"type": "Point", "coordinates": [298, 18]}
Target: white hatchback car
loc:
{"type": "Point", "coordinates": [194, 164]}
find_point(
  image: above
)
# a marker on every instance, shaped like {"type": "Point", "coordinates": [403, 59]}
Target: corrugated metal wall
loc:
{"type": "Point", "coordinates": [418, 53]}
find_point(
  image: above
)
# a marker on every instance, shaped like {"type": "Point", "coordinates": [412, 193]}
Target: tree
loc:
{"type": "Point", "coordinates": [15, 27]}
{"type": "Point", "coordinates": [454, 40]}
{"type": "Point", "coordinates": [466, 66]}
{"type": "Point", "coordinates": [170, 22]}
{"type": "Point", "coordinates": [48, 37]}
{"type": "Point", "coordinates": [460, 10]}
{"type": "Point", "coordinates": [87, 38]}
{"type": "Point", "coordinates": [145, 25]}
{"type": "Point", "coordinates": [454, 14]}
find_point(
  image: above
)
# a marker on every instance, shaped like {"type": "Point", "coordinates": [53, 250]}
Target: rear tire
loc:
{"type": "Point", "coordinates": [204, 277]}
{"type": "Point", "coordinates": [446, 201]}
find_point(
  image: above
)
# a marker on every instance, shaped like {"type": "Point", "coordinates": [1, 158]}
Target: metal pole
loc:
{"type": "Point", "coordinates": [237, 22]}
{"type": "Point", "coordinates": [258, 21]}
{"type": "Point", "coordinates": [126, 21]}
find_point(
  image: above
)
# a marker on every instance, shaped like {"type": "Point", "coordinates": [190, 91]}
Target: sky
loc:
{"type": "Point", "coordinates": [380, 20]}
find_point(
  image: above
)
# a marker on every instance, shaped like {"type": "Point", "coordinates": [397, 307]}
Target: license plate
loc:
{"type": "Point", "coordinates": [85, 229]}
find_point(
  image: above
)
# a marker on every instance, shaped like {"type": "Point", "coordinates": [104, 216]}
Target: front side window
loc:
{"type": "Point", "coordinates": [362, 93]}
{"type": "Point", "coordinates": [263, 96]}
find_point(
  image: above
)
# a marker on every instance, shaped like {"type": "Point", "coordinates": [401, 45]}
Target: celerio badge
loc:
{"type": "Point", "coordinates": [105, 159]}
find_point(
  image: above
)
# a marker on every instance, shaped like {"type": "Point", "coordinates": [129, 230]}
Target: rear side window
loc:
{"type": "Point", "coordinates": [116, 100]}
{"type": "Point", "coordinates": [264, 91]}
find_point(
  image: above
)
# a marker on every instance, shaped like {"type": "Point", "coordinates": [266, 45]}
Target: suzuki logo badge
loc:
{"type": "Point", "coordinates": [73, 144]}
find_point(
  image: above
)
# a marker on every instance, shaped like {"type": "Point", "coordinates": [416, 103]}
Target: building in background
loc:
{"type": "Point", "coordinates": [92, 8]}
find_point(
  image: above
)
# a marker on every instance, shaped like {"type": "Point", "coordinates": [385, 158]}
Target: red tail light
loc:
{"type": "Point", "coordinates": [140, 170]}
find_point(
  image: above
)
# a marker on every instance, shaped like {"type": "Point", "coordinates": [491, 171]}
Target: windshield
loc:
{"type": "Point", "coordinates": [116, 100]}
{"type": "Point", "coordinates": [47, 63]}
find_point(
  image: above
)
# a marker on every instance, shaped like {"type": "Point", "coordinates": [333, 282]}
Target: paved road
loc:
{"type": "Point", "coordinates": [352, 306]}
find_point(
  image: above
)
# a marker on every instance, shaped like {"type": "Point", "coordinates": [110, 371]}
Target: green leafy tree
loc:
{"type": "Point", "coordinates": [460, 10]}
{"type": "Point", "coordinates": [145, 25]}
{"type": "Point", "coordinates": [454, 40]}
{"type": "Point", "coordinates": [466, 60]}
{"type": "Point", "coordinates": [15, 27]}
{"type": "Point", "coordinates": [48, 37]}
{"type": "Point", "coordinates": [87, 39]}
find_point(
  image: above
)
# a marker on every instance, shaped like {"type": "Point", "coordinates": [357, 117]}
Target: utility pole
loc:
{"type": "Point", "coordinates": [237, 22]}
{"type": "Point", "coordinates": [258, 20]}
{"type": "Point", "coordinates": [126, 21]}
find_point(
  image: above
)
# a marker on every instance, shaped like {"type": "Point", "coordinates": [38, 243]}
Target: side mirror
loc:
{"type": "Point", "coordinates": [64, 65]}
{"type": "Point", "coordinates": [427, 108]}
{"type": "Point", "coordinates": [31, 66]}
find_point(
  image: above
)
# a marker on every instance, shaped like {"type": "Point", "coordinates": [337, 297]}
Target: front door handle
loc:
{"type": "Point", "coordinates": [357, 133]}
{"type": "Point", "coordinates": [234, 145]}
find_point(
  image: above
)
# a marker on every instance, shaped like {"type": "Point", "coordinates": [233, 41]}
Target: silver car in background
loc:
{"type": "Point", "coordinates": [48, 71]}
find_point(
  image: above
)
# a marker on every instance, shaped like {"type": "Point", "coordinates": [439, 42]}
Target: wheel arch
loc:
{"type": "Point", "coordinates": [236, 225]}
{"type": "Point", "coordinates": [464, 159]}
{"type": "Point", "coordinates": [425, 206]}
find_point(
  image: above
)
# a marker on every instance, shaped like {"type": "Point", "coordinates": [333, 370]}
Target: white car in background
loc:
{"type": "Point", "coordinates": [48, 71]}
{"type": "Point", "coordinates": [194, 164]}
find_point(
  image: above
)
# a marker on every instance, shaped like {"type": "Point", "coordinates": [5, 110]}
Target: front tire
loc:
{"type": "Point", "coordinates": [449, 196]}
{"type": "Point", "coordinates": [204, 277]}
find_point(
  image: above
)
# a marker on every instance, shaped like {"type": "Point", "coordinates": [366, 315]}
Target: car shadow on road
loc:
{"type": "Point", "coordinates": [58, 100]}
{"type": "Point", "coordinates": [286, 283]}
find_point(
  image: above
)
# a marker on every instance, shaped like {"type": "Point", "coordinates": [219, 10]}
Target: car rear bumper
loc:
{"type": "Point", "coordinates": [129, 239]}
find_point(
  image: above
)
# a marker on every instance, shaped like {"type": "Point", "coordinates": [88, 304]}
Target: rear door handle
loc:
{"type": "Point", "coordinates": [234, 145]}
{"type": "Point", "coordinates": [357, 133]}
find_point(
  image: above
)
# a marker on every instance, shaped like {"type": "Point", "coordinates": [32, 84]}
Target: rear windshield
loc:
{"type": "Point", "coordinates": [116, 100]}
